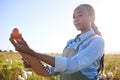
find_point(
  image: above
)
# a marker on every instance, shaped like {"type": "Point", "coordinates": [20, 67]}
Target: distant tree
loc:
{"type": "Point", "coordinates": [0, 50]}
{"type": "Point", "coordinates": [10, 51]}
{"type": "Point", "coordinates": [5, 51]}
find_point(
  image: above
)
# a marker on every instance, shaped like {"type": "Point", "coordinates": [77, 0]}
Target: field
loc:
{"type": "Point", "coordinates": [11, 67]}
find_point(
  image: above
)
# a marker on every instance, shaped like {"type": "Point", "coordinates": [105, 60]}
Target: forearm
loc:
{"type": "Point", "coordinates": [45, 58]}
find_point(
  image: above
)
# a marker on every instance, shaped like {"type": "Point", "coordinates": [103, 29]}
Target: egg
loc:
{"type": "Point", "coordinates": [15, 33]}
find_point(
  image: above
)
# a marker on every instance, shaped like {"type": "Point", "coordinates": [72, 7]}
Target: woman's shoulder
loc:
{"type": "Point", "coordinates": [97, 38]}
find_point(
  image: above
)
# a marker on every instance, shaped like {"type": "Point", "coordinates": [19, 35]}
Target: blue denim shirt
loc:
{"type": "Point", "coordinates": [86, 60]}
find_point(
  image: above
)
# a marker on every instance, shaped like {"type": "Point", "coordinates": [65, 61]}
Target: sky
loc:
{"type": "Point", "coordinates": [47, 25]}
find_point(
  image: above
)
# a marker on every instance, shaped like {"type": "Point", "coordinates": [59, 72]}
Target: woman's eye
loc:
{"type": "Point", "coordinates": [76, 16]}
{"type": "Point", "coordinates": [80, 15]}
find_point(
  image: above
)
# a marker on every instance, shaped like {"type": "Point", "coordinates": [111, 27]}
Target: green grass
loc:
{"type": "Point", "coordinates": [112, 64]}
{"type": "Point", "coordinates": [10, 70]}
{"type": "Point", "coordinates": [11, 66]}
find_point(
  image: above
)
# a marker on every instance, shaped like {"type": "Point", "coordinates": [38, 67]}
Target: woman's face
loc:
{"type": "Point", "coordinates": [81, 18]}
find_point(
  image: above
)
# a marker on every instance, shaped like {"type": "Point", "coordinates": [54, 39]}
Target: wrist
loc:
{"type": "Point", "coordinates": [35, 54]}
{"type": "Point", "coordinates": [32, 53]}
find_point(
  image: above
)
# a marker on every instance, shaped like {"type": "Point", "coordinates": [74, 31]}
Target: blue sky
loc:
{"type": "Point", "coordinates": [47, 24]}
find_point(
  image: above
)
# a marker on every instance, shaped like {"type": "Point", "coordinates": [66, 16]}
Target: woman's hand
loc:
{"type": "Point", "coordinates": [21, 46]}
{"type": "Point", "coordinates": [26, 63]}
{"type": "Point", "coordinates": [19, 43]}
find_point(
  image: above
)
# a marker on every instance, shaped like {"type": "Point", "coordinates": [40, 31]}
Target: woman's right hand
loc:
{"type": "Point", "coordinates": [26, 63]}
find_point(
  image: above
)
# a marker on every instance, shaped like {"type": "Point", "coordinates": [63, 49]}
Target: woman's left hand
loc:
{"type": "Point", "coordinates": [20, 45]}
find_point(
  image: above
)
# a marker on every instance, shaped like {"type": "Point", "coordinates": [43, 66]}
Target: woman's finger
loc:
{"type": "Point", "coordinates": [24, 42]}
{"type": "Point", "coordinates": [13, 42]}
{"type": "Point", "coordinates": [26, 63]}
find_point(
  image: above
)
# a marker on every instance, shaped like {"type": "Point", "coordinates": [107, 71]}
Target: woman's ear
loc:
{"type": "Point", "coordinates": [92, 18]}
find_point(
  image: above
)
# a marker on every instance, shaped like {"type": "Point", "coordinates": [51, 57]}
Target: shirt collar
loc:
{"type": "Point", "coordinates": [86, 34]}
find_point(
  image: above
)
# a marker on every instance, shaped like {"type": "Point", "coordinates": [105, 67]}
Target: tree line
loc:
{"type": "Point", "coordinates": [6, 50]}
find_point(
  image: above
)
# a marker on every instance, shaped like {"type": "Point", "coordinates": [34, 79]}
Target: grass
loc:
{"type": "Point", "coordinates": [11, 66]}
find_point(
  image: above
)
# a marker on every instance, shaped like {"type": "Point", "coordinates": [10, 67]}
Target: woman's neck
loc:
{"type": "Point", "coordinates": [85, 30]}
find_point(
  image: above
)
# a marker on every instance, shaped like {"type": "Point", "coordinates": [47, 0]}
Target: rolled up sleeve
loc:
{"type": "Point", "coordinates": [60, 64]}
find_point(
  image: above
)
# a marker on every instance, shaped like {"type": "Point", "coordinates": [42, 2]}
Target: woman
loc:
{"type": "Point", "coordinates": [81, 56]}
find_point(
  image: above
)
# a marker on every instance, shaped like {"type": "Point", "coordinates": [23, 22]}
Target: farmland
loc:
{"type": "Point", "coordinates": [11, 66]}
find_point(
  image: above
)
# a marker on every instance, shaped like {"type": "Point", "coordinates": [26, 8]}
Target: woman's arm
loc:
{"type": "Point", "coordinates": [45, 58]}
{"type": "Point", "coordinates": [23, 47]}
